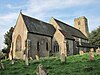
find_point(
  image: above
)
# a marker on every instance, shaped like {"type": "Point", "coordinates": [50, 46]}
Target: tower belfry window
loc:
{"type": "Point", "coordinates": [79, 23]}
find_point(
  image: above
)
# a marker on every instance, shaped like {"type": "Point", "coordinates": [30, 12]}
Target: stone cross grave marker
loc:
{"type": "Point", "coordinates": [91, 55]}
{"type": "Point", "coordinates": [41, 70]}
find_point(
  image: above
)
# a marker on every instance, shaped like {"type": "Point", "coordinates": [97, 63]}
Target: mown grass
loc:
{"type": "Point", "coordinates": [76, 65]}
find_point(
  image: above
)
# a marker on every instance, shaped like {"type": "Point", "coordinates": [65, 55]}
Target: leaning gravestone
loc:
{"type": "Point", "coordinates": [81, 52]}
{"type": "Point", "coordinates": [31, 58]}
{"type": "Point", "coordinates": [91, 55]}
{"type": "Point", "coordinates": [98, 51]}
{"type": "Point", "coordinates": [41, 70]}
{"type": "Point", "coordinates": [63, 58]}
{"type": "Point", "coordinates": [37, 57]}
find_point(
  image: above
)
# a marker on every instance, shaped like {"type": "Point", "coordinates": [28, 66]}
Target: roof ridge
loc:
{"type": "Point", "coordinates": [67, 24]}
{"type": "Point", "coordinates": [35, 19]}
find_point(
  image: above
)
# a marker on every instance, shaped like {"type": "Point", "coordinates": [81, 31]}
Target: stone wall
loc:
{"type": "Point", "coordinates": [70, 42]}
{"type": "Point", "coordinates": [19, 30]}
{"type": "Point", "coordinates": [81, 23]}
{"type": "Point", "coordinates": [34, 38]}
{"type": "Point", "coordinates": [59, 37]}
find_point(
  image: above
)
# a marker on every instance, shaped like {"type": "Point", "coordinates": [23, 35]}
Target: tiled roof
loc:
{"type": "Point", "coordinates": [71, 30]}
{"type": "Point", "coordinates": [67, 35]}
{"type": "Point", "coordinates": [36, 26]}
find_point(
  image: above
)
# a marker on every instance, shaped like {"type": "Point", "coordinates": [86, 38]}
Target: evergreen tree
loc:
{"type": "Point", "coordinates": [8, 40]}
{"type": "Point", "coordinates": [94, 37]}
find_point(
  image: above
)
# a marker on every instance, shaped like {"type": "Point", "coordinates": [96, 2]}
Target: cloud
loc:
{"type": "Point", "coordinates": [7, 19]}
{"type": "Point", "coordinates": [39, 6]}
{"type": "Point", "coordinates": [13, 6]}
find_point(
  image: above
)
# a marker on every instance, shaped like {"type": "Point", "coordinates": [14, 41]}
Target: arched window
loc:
{"type": "Point", "coordinates": [56, 47]}
{"type": "Point", "coordinates": [47, 46]}
{"type": "Point", "coordinates": [18, 43]}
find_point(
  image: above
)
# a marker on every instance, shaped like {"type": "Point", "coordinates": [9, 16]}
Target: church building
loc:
{"type": "Point", "coordinates": [47, 39]}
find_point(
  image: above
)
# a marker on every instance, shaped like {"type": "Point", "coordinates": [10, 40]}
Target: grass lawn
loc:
{"type": "Point", "coordinates": [76, 65]}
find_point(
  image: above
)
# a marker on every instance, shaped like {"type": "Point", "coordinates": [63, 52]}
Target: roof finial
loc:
{"type": "Point", "coordinates": [20, 10]}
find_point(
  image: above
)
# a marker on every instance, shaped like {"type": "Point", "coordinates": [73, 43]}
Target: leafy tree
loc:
{"type": "Point", "coordinates": [8, 39]}
{"type": "Point", "coordinates": [94, 37]}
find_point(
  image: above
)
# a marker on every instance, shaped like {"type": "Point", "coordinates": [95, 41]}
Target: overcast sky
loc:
{"type": "Point", "coordinates": [64, 10]}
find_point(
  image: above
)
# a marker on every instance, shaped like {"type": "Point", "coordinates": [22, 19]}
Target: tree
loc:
{"type": "Point", "coordinates": [8, 40]}
{"type": "Point", "coordinates": [94, 37]}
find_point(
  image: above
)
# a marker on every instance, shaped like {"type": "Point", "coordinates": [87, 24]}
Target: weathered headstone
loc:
{"type": "Point", "coordinates": [98, 51]}
{"type": "Point", "coordinates": [41, 70]}
{"type": "Point", "coordinates": [37, 57]}
{"type": "Point", "coordinates": [26, 60]}
{"type": "Point", "coordinates": [12, 62]}
{"type": "Point", "coordinates": [63, 58]}
{"type": "Point", "coordinates": [27, 44]}
{"type": "Point", "coordinates": [31, 58]}
{"type": "Point", "coordinates": [91, 56]}
{"type": "Point", "coordinates": [24, 57]}
{"type": "Point", "coordinates": [81, 52]}
{"type": "Point", "coordinates": [1, 65]}
{"type": "Point", "coordinates": [92, 50]}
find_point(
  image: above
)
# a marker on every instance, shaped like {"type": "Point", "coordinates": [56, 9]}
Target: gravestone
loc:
{"type": "Point", "coordinates": [81, 52]}
{"type": "Point", "coordinates": [24, 57]}
{"type": "Point", "coordinates": [41, 70]}
{"type": "Point", "coordinates": [37, 57]}
{"type": "Point", "coordinates": [31, 58]}
{"type": "Point", "coordinates": [27, 44]}
{"type": "Point", "coordinates": [12, 61]}
{"type": "Point", "coordinates": [63, 58]}
{"type": "Point", "coordinates": [1, 65]}
{"type": "Point", "coordinates": [26, 60]}
{"type": "Point", "coordinates": [98, 51]}
{"type": "Point", "coordinates": [91, 56]}
{"type": "Point", "coordinates": [92, 50]}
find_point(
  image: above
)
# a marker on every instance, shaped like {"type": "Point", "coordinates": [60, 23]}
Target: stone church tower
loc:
{"type": "Point", "coordinates": [81, 23]}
